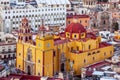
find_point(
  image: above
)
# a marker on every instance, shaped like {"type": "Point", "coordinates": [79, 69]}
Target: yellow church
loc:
{"type": "Point", "coordinates": [68, 51]}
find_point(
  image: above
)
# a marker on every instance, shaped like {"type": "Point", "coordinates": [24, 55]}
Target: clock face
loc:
{"type": "Point", "coordinates": [48, 44]}
{"type": "Point", "coordinates": [39, 45]}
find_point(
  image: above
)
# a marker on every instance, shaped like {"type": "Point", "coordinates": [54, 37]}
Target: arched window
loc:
{"type": "Point", "coordinates": [84, 61]}
{"type": "Point", "coordinates": [22, 31]}
{"type": "Point", "coordinates": [30, 37]}
{"type": "Point", "coordinates": [82, 12]}
{"type": "Point", "coordinates": [71, 14]}
{"type": "Point", "coordinates": [77, 48]}
{"type": "Point", "coordinates": [29, 57]}
{"type": "Point", "coordinates": [104, 22]}
{"type": "Point", "coordinates": [26, 39]}
{"type": "Point", "coordinates": [104, 53]}
{"type": "Point", "coordinates": [89, 47]}
{"type": "Point", "coordinates": [38, 74]}
{"type": "Point", "coordinates": [9, 56]}
{"type": "Point", "coordinates": [93, 58]}
{"type": "Point", "coordinates": [21, 38]}
{"type": "Point", "coordinates": [26, 31]}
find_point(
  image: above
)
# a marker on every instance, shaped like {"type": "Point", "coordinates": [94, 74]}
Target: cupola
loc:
{"type": "Point", "coordinates": [75, 30]}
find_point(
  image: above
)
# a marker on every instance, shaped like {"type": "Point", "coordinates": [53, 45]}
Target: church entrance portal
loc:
{"type": "Point", "coordinates": [62, 67]}
{"type": "Point", "coordinates": [29, 70]}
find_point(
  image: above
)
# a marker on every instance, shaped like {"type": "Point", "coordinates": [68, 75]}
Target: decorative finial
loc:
{"type": "Point", "coordinates": [75, 20]}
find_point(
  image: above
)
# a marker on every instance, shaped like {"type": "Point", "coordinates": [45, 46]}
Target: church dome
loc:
{"type": "Point", "coordinates": [75, 28]}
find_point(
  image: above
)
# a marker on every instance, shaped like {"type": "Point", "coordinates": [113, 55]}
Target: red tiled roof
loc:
{"type": "Point", "coordinates": [26, 77]}
{"type": "Point", "coordinates": [89, 73]}
{"type": "Point", "coordinates": [62, 34]}
{"type": "Point", "coordinates": [104, 44]}
{"type": "Point", "coordinates": [75, 28]}
{"type": "Point", "coordinates": [59, 41]}
{"type": "Point", "coordinates": [98, 64]}
{"type": "Point", "coordinates": [78, 16]}
{"type": "Point", "coordinates": [21, 77]}
{"type": "Point", "coordinates": [91, 35]}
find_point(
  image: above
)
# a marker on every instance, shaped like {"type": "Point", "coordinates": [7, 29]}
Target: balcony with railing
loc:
{"type": "Point", "coordinates": [8, 52]}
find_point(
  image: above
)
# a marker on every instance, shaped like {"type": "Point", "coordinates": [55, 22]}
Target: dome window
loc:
{"type": "Point", "coordinates": [89, 47]}
{"type": "Point", "coordinates": [82, 34]}
{"type": "Point", "coordinates": [75, 36]}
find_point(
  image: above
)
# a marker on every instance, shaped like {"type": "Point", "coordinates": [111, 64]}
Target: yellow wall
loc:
{"type": "Point", "coordinates": [19, 56]}
{"type": "Point", "coordinates": [39, 66]}
{"type": "Point", "coordinates": [50, 64]}
{"type": "Point", "coordinates": [80, 57]}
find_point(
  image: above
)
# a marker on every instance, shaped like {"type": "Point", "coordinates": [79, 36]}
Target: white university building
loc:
{"type": "Point", "coordinates": [12, 11]}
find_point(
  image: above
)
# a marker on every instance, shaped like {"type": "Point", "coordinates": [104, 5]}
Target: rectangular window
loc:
{"type": "Point", "coordinates": [77, 48]}
{"type": "Point", "coordinates": [3, 50]}
{"type": "Point", "coordinates": [71, 48]}
{"type": "Point", "coordinates": [110, 52]}
{"type": "Point", "coordinates": [38, 74]}
{"type": "Point", "coordinates": [19, 66]}
{"type": "Point", "coordinates": [80, 21]}
{"type": "Point", "coordinates": [104, 53]}
{"type": "Point", "coordinates": [54, 54]}
{"type": "Point", "coordinates": [93, 53]}
{"type": "Point", "coordinates": [82, 34]}
{"type": "Point", "coordinates": [38, 61]}
{"type": "Point", "coordinates": [75, 36]}
{"type": "Point", "coordinates": [68, 22]}
{"type": "Point", "coordinates": [29, 57]}
{"type": "Point", "coordinates": [15, 49]}
{"type": "Point", "coordinates": [19, 54]}
{"type": "Point", "coordinates": [89, 54]}
{"type": "Point", "coordinates": [9, 50]}
{"type": "Point", "coordinates": [98, 51]}
{"type": "Point", "coordinates": [68, 60]}
{"type": "Point", "coordinates": [84, 61]}
{"type": "Point", "coordinates": [89, 47]}
{"type": "Point", "coordinates": [68, 34]}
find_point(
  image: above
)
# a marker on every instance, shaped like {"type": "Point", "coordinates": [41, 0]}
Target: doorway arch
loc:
{"type": "Point", "coordinates": [28, 70]}
{"type": "Point", "coordinates": [62, 67]}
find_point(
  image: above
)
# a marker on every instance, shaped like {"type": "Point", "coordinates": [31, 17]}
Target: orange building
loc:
{"type": "Point", "coordinates": [82, 19]}
{"type": "Point", "coordinates": [115, 15]}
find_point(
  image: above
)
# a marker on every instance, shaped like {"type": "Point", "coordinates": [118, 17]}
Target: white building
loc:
{"type": "Point", "coordinates": [108, 78]}
{"type": "Point", "coordinates": [53, 12]}
{"type": "Point", "coordinates": [7, 47]}
{"type": "Point", "coordinates": [89, 3]}
{"type": "Point", "coordinates": [4, 71]}
{"type": "Point", "coordinates": [114, 3]}
{"type": "Point", "coordinates": [103, 5]}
